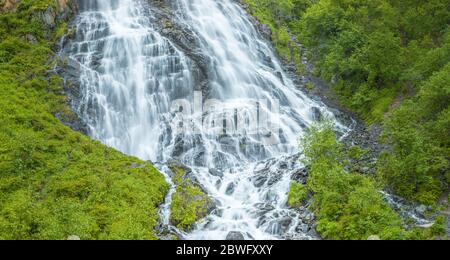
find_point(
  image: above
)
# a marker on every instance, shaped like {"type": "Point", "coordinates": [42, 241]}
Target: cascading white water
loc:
{"type": "Point", "coordinates": [132, 80]}
{"type": "Point", "coordinates": [129, 75]}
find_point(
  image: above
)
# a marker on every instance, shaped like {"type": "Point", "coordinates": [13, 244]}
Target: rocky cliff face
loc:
{"type": "Point", "coordinates": [63, 10]}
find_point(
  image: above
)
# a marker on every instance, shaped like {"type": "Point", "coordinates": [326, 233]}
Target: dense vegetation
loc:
{"type": "Point", "coordinates": [189, 202]}
{"type": "Point", "coordinates": [348, 205]}
{"type": "Point", "coordinates": [298, 194]}
{"type": "Point", "coordinates": [54, 182]}
{"type": "Point", "coordinates": [387, 60]}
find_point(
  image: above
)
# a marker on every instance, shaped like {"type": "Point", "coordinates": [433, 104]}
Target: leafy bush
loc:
{"type": "Point", "coordinates": [388, 61]}
{"type": "Point", "coordinates": [347, 206]}
{"type": "Point", "coordinates": [418, 166]}
{"type": "Point", "coordinates": [298, 193]}
{"type": "Point", "coordinates": [55, 182]}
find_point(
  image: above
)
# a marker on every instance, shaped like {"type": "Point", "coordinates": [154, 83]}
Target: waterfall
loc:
{"type": "Point", "coordinates": [141, 93]}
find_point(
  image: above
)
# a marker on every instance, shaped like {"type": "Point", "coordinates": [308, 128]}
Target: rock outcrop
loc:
{"type": "Point", "coordinates": [8, 5]}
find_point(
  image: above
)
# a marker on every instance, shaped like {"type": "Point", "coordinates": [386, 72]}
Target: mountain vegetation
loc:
{"type": "Point", "coordinates": [189, 202]}
{"type": "Point", "coordinates": [56, 183]}
{"type": "Point", "coordinates": [386, 60]}
{"type": "Point", "coordinates": [389, 62]}
{"type": "Point", "coordinates": [349, 205]}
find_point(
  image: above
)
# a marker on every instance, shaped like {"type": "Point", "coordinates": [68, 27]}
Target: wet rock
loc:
{"type": "Point", "coordinates": [259, 181]}
{"type": "Point", "coordinates": [262, 221]}
{"type": "Point", "coordinates": [264, 208]}
{"type": "Point", "coordinates": [265, 31]}
{"type": "Point", "coordinates": [200, 159]}
{"type": "Point", "coordinates": [216, 173]}
{"type": "Point", "coordinates": [166, 233]}
{"type": "Point", "coordinates": [185, 39]}
{"type": "Point", "coordinates": [218, 183]}
{"type": "Point", "coordinates": [280, 76]}
{"type": "Point", "coordinates": [274, 179]}
{"type": "Point", "coordinates": [217, 212]}
{"type": "Point", "coordinates": [267, 60]}
{"type": "Point", "coordinates": [307, 216]}
{"type": "Point", "coordinates": [274, 228]}
{"type": "Point", "coordinates": [302, 228]}
{"type": "Point", "coordinates": [230, 189]}
{"type": "Point", "coordinates": [235, 235]}
{"type": "Point", "coordinates": [271, 197]}
{"type": "Point", "coordinates": [421, 209]}
{"type": "Point", "coordinates": [283, 165]}
{"type": "Point", "coordinates": [316, 114]}
{"type": "Point", "coordinates": [178, 148]}
{"type": "Point", "coordinates": [285, 223]}
{"type": "Point", "coordinates": [300, 176]}
{"type": "Point", "coordinates": [220, 160]}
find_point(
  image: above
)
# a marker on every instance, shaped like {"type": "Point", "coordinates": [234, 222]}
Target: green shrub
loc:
{"type": "Point", "coordinates": [387, 62]}
{"type": "Point", "coordinates": [298, 193]}
{"type": "Point", "coordinates": [347, 206]}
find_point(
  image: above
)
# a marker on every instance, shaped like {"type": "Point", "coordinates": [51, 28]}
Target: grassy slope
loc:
{"type": "Point", "coordinates": [55, 182]}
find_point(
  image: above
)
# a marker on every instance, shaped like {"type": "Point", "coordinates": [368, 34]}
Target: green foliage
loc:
{"type": "Point", "coordinates": [355, 152]}
{"type": "Point", "coordinates": [388, 61]}
{"type": "Point", "coordinates": [298, 193]}
{"type": "Point", "coordinates": [321, 143]}
{"type": "Point", "coordinates": [55, 182]}
{"type": "Point", "coordinates": [418, 166]}
{"type": "Point", "coordinates": [348, 206]}
{"type": "Point", "coordinates": [189, 202]}
{"type": "Point", "coordinates": [278, 15]}
{"type": "Point", "coordinates": [439, 226]}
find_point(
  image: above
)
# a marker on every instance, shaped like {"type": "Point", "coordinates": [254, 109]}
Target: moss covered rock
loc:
{"type": "Point", "coordinates": [189, 203]}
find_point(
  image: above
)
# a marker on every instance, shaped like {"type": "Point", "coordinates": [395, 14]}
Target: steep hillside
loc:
{"type": "Point", "coordinates": [389, 62]}
{"type": "Point", "coordinates": [54, 182]}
